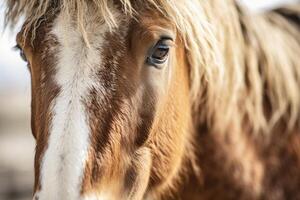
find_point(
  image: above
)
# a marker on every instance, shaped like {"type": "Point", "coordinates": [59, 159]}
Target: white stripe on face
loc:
{"type": "Point", "coordinates": [64, 160]}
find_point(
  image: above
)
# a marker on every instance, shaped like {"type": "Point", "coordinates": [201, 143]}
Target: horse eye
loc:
{"type": "Point", "coordinates": [159, 53]}
{"type": "Point", "coordinates": [22, 54]}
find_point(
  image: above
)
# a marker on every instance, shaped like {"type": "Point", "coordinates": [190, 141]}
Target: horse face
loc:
{"type": "Point", "coordinates": [111, 112]}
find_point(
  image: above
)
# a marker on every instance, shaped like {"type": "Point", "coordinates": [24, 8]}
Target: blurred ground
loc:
{"type": "Point", "coordinates": [16, 146]}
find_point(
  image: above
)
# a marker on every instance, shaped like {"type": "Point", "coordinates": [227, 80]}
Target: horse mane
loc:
{"type": "Point", "coordinates": [243, 68]}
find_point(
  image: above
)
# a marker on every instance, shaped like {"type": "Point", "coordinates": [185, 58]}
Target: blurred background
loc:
{"type": "Point", "coordinates": [16, 141]}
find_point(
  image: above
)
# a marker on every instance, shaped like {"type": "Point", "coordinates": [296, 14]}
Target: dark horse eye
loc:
{"type": "Point", "coordinates": [159, 53]}
{"type": "Point", "coordinates": [22, 54]}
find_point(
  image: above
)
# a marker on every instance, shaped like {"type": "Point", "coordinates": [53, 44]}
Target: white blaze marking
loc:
{"type": "Point", "coordinates": [64, 160]}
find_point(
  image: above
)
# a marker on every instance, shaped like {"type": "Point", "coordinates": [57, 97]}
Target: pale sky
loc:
{"type": "Point", "coordinates": [13, 71]}
{"type": "Point", "coordinates": [263, 4]}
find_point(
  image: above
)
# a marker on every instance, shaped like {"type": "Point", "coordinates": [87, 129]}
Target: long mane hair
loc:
{"type": "Point", "coordinates": [242, 69]}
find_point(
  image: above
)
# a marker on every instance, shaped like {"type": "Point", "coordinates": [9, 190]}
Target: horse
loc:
{"type": "Point", "coordinates": [161, 99]}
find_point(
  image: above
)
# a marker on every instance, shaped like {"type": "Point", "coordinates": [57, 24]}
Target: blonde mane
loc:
{"type": "Point", "coordinates": [238, 63]}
